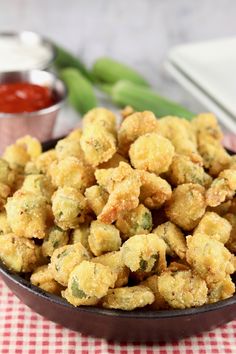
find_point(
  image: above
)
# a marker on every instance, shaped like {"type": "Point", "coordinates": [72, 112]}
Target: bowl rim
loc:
{"type": "Point", "coordinates": [44, 40]}
{"type": "Point", "coordinates": [139, 313]}
{"type": "Point", "coordinates": [54, 107]}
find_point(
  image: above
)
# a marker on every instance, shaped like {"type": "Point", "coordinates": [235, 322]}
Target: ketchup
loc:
{"type": "Point", "coordinates": [23, 97]}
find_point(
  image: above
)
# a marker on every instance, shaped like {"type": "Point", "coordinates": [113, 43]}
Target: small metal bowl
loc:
{"type": "Point", "coordinates": [40, 123]}
{"type": "Point", "coordinates": [29, 39]}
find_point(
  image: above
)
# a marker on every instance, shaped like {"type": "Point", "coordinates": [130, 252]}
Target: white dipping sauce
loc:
{"type": "Point", "coordinates": [17, 54]}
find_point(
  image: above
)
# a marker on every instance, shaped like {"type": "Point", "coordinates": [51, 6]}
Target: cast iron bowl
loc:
{"type": "Point", "coordinates": [139, 325]}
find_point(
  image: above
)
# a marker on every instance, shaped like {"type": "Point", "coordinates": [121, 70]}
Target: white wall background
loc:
{"type": "Point", "coordinates": [139, 32]}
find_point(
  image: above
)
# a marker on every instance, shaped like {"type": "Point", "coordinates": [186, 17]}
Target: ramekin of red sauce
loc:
{"type": "Point", "coordinates": [29, 104]}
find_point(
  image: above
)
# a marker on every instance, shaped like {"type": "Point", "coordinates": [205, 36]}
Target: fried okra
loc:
{"type": "Point", "coordinates": [222, 188]}
{"type": "Point", "coordinates": [159, 302]}
{"type": "Point", "coordinates": [5, 191]}
{"type": "Point", "coordinates": [115, 262]}
{"type": "Point", "coordinates": [71, 172]}
{"type": "Point", "coordinates": [103, 238]}
{"type": "Point", "coordinates": [55, 238]}
{"type": "Point", "coordinates": [182, 289]}
{"type": "Point", "coordinates": [205, 124]}
{"type": "Point", "coordinates": [135, 222]}
{"type": "Point", "coordinates": [214, 226]}
{"type": "Point", "coordinates": [183, 170]}
{"type": "Point", "coordinates": [40, 185]}
{"type": "Point", "coordinates": [97, 198]}
{"type": "Point", "coordinates": [31, 145]}
{"type": "Point", "coordinates": [231, 243]}
{"type": "Point", "coordinates": [17, 156]}
{"type": "Point", "coordinates": [144, 253]}
{"type": "Point", "coordinates": [45, 160]}
{"type": "Point", "coordinates": [154, 191]}
{"type": "Point", "coordinates": [69, 208]}
{"type": "Point", "coordinates": [89, 281]}
{"type": "Point", "coordinates": [19, 253]}
{"type": "Point", "coordinates": [123, 185]}
{"type": "Point", "coordinates": [28, 214]}
{"type": "Point", "coordinates": [69, 147]}
{"type": "Point", "coordinates": [151, 152]}
{"type": "Point", "coordinates": [98, 140]}
{"type": "Point", "coordinates": [187, 205]}
{"type": "Point", "coordinates": [215, 157]}
{"type": "Point", "coordinates": [182, 135]}
{"type": "Point", "coordinates": [135, 125]}
{"type": "Point", "coordinates": [128, 298]}
{"type": "Point", "coordinates": [209, 258]}
{"type": "Point", "coordinates": [42, 277]}
{"type": "Point", "coordinates": [174, 239]}
{"type": "Point", "coordinates": [80, 234]}
{"type": "Point", "coordinates": [64, 260]}
{"type": "Point", "coordinates": [221, 290]}
{"type": "Point", "coordinates": [7, 176]}
{"type": "Point", "coordinates": [4, 225]}
{"type": "Point", "coordinates": [114, 161]}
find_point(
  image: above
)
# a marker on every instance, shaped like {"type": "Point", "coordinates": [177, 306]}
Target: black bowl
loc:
{"type": "Point", "coordinates": [139, 325]}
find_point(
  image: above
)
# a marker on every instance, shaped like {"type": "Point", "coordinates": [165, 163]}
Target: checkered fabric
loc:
{"type": "Point", "coordinates": [25, 332]}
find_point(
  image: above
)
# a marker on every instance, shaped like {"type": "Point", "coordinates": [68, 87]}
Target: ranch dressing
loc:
{"type": "Point", "coordinates": [17, 54]}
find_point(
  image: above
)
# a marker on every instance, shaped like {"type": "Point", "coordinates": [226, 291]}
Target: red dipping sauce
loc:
{"type": "Point", "coordinates": [24, 97]}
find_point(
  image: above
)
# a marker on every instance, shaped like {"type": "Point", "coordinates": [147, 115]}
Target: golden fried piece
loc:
{"type": "Point", "coordinates": [159, 302]}
{"type": "Point", "coordinates": [4, 225]}
{"type": "Point", "coordinates": [115, 262]}
{"type": "Point", "coordinates": [69, 208]}
{"type": "Point", "coordinates": [113, 162]}
{"type": "Point", "coordinates": [221, 290]}
{"type": "Point", "coordinates": [206, 124]}
{"type": "Point", "coordinates": [96, 197]}
{"type": "Point", "coordinates": [231, 243]}
{"type": "Point", "coordinates": [55, 238]}
{"type": "Point", "coordinates": [31, 145]}
{"type": "Point", "coordinates": [128, 298]}
{"type": "Point", "coordinates": [45, 160]}
{"type": "Point", "coordinates": [98, 140]}
{"type": "Point", "coordinates": [174, 239]}
{"type": "Point", "coordinates": [72, 172]}
{"type": "Point", "coordinates": [5, 191]}
{"type": "Point", "coordinates": [19, 254]}
{"type": "Point", "coordinates": [68, 147]}
{"type": "Point", "coordinates": [7, 176]}
{"type": "Point", "coordinates": [135, 222]}
{"type": "Point", "coordinates": [182, 289]}
{"type": "Point", "coordinates": [214, 226]}
{"type": "Point", "coordinates": [75, 134]}
{"type": "Point", "coordinates": [64, 260]}
{"type": "Point", "coordinates": [28, 214]}
{"type": "Point", "coordinates": [42, 277]}
{"type": "Point", "coordinates": [127, 111]}
{"type": "Point", "coordinates": [144, 253]}
{"type": "Point", "coordinates": [123, 185]}
{"type": "Point", "coordinates": [182, 135]}
{"type": "Point", "coordinates": [16, 156]}
{"type": "Point", "coordinates": [155, 191]}
{"type": "Point", "coordinates": [135, 125]}
{"type": "Point", "coordinates": [186, 206]}
{"type": "Point", "coordinates": [89, 280]}
{"type": "Point", "coordinates": [40, 185]}
{"type": "Point", "coordinates": [103, 238]}
{"type": "Point", "coordinates": [222, 188]}
{"type": "Point", "coordinates": [209, 258]}
{"type": "Point", "coordinates": [215, 157]}
{"type": "Point", "coordinates": [184, 170]}
{"type": "Point", "coordinates": [101, 117]}
{"type": "Point", "coordinates": [151, 152]}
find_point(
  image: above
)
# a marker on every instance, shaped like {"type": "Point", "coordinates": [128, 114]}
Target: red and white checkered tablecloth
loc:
{"type": "Point", "coordinates": [24, 332]}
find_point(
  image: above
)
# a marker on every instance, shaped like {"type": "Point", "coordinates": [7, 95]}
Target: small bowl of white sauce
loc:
{"type": "Point", "coordinates": [23, 51]}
